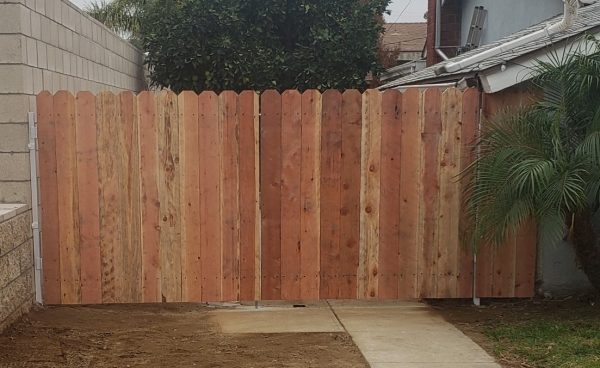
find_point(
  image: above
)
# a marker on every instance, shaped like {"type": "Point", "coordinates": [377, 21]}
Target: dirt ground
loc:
{"type": "Point", "coordinates": [480, 323]}
{"type": "Point", "coordinates": [160, 336]}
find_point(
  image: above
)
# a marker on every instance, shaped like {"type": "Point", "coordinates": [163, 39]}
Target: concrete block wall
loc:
{"type": "Point", "coordinates": [51, 45]}
{"type": "Point", "coordinates": [44, 45]}
{"type": "Point", "coordinates": [16, 263]}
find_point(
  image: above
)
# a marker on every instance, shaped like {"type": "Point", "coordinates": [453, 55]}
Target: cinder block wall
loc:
{"type": "Point", "coordinates": [44, 45]}
{"type": "Point", "coordinates": [51, 45]}
{"type": "Point", "coordinates": [16, 263]}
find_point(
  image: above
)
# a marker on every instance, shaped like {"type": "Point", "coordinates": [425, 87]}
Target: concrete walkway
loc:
{"type": "Point", "coordinates": [389, 334]}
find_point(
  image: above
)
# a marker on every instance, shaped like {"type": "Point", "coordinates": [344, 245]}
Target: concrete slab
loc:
{"type": "Point", "coordinates": [276, 320]}
{"type": "Point", "coordinates": [389, 334]}
{"type": "Point", "coordinates": [410, 335]}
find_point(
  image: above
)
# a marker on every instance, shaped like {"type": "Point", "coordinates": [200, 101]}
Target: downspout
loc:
{"type": "Point", "coordinates": [438, 30]}
{"type": "Point", "coordinates": [35, 225]}
{"type": "Point", "coordinates": [570, 13]}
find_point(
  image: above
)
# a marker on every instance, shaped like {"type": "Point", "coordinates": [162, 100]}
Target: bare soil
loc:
{"type": "Point", "coordinates": [160, 336]}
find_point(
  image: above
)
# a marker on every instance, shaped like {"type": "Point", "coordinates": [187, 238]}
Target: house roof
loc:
{"type": "Point", "coordinates": [588, 18]}
{"type": "Point", "coordinates": [405, 36]}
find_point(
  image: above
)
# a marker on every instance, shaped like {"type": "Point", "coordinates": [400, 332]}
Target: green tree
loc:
{"type": "Point", "coordinates": [543, 162]}
{"type": "Point", "coordinates": [259, 44]}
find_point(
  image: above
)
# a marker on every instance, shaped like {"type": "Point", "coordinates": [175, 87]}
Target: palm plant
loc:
{"type": "Point", "coordinates": [122, 16]}
{"type": "Point", "coordinates": [543, 162]}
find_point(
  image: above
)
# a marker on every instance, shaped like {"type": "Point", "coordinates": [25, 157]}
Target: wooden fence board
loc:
{"type": "Point", "coordinates": [350, 196]}
{"type": "Point", "coordinates": [49, 198]}
{"type": "Point", "coordinates": [330, 178]}
{"type": "Point", "coordinates": [230, 216]}
{"type": "Point", "coordinates": [66, 168]}
{"type": "Point", "coordinates": [169, 192]}
{"type": "Point", "coordinates": [150, 204]}
{"type": "Point", "coordinates": [249, 196]}
{"type": "Point", "coordinates": [370, 195]}
{"type": "Point", "coordinates": [448, 226]}
{"type": "Point", "coordinates": [89, 206]}
{"type": "Point", "coordinates": [310, 191]}
{"type": "Point", "coordinates": [110, 211]}
{"type": "Point", "coordinates": [430, 201]}
{"type": "Point", "coordinates": [526, 258]}
{"type": "Point", "coordinates": [131, 253]}
{"type": "Point", "coordinates": [291, 160]}
{"type": "Point", "coordinates": [210, 196]}
{"type": "Point", "coordinates": [410, 193]}
{"type": "Point", "coordinates": [161, 198]}
{"type": "Point", "coordinates": [191, 266]}
{"type": "Point", "coordinates": [270, 131]}
{"type": "Point", "coordinates": [470, 121]}
{"type": "Point", "coordinates": [389, 213]}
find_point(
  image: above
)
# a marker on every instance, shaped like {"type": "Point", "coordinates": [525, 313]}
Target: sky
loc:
{"type": "Point", "coordinates": [413, 13]}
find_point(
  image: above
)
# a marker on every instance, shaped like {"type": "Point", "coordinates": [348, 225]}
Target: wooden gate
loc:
{"type": "Point", "coordinates": [165, 198]}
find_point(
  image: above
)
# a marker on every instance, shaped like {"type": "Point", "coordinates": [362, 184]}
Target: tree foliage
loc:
{"type": "Point", "coordinates": [543, 161]}
{"type": "Point", "coordinates": [260, 44]}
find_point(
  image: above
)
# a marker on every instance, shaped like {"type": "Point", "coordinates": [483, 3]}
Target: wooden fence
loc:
{"type": "Point", "coordinates": [159, 197]}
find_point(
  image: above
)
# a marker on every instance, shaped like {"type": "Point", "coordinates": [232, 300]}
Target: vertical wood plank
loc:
{"type": "Point", "coordinates": [504, 268]}
{"type": "Point", "coordinates": [291, 159]}
{"type": "Point", "coordinates": [191, 272]}
{"type": "Point", "coordinates": [350, 194]}
{"type": "Point", "coordinates": [130, 246]}
{"type": "Point", "coordinates": [49, 198]}
{"type": "Point", "coordinates": [107, 117]}
{"type": "Point", "coordinates": [470, 113]}
{"type": "Point", "coordinates": [149, 200]}
{"type": "Point", "coordinates": [389, 220]}
{"type": "Point", "coordinates": [210, 196]}
{"type": "Point", "coordinates": [310, 192]}
{"type": "Point", "coordinates": [89, 206]}
{"type": "Point", "coordinates": [270, 153]}
{"type": "Point", "coordinates": [370, 195]}
{"type": "Point", "coordinates": [330, 181]}
{"type": "Point", "coordinates": [485, 254]}
{"type": "Point", "coordinates": [450, 204]}
{"type": "Point", "coordinates": [431, 132]}
{"type": "Point", "coordinates": [169, 196]}
{"type": "Point", "coordinates": [249, 196]}
{"type": "Point", "coordinates": [410, 187]}
{"type": "Point", "coordinates": [526, 261]}
{"type": "Point", "coordinates": [66, 170]}
{"type": "Point", "coordinates": [230, 217]}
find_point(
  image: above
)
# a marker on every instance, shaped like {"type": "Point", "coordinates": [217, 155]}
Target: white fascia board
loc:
{"type": "Point", "coordinates": [521, 69]}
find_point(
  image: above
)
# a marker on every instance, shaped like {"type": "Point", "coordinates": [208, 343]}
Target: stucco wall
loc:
{"type": "Point", "coordinates": [508, 16]}
{"type": "Point", "coordinates": [51, 45]}
{"type": "Point", "coordinates": [16, 262]}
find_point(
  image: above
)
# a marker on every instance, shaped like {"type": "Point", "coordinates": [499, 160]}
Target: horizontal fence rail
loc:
{"type": "Point", "coordinates": [159, 197]}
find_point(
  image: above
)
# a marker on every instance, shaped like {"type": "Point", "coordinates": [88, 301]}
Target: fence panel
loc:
{"type": "Point", "coordinates": [166, 198]}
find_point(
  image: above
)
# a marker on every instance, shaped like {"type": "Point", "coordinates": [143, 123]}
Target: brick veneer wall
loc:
{"type": "Point", "coordinates": [16, 263]}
